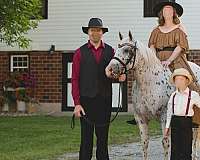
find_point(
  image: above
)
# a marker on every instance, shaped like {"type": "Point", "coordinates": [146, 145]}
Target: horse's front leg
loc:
{"type": "Point", "coordinates": [165, 140]}
{"type": "Point", "coordinates": [143, 126]}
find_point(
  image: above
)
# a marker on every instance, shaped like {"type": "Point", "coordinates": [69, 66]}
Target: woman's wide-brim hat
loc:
{"type": "Point", "coordinates": [157, 8]}
{"type": "Point", "coordinates": [181, 72]}
{"type": "Point", "coordinates": [95, 23]}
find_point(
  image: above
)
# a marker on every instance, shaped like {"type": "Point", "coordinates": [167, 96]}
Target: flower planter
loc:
{"type": "Point", "coordinates": [31, 108]}
{"type": "Point", "coordinates": [21, 106]}
{"type": "Point", "coordinates": [5, 108]}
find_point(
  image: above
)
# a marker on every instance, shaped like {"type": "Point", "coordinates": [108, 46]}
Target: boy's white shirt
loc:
{"type": "Point", "coordinates": [180, 104]}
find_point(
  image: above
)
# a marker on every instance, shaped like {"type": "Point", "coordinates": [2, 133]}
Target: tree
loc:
{"type": "Point", "coordinates": [17, 17]}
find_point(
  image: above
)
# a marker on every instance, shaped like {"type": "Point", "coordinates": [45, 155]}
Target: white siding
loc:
{"type": "Point", "coordinates": [66, 17]}
{"type": "Point", "coordinates": [191, 21]}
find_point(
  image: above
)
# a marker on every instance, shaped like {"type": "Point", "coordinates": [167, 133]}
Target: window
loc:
{"type": "Point", "coordinates": [149, 5]}
{"type": "Point", "coordinates": [44, 9]}
{"type": "Point", "coordinates": [67, 101]}
{"type": "Point", "coordinates": [19, 63]}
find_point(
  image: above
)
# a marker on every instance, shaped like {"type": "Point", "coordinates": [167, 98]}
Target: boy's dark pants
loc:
{"type": "Point", "coordinates": [181, 138]}
{"type": "Point", "coordinates": [98, 110]}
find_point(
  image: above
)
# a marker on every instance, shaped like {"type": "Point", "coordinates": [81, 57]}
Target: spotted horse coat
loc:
{"type": "Point", "coordinates": [151, 87]}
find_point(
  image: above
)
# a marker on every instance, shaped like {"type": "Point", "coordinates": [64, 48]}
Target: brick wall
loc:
{"type": "Point", "coordinates": [4, 67]}
{"type": "Point", "coordinates": [194, 56]}
{"type": "Point", "coordinates": [47, 70]}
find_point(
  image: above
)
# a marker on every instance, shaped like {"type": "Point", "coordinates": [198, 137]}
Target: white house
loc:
{"type": "Point", "coordinates": [62, 27]}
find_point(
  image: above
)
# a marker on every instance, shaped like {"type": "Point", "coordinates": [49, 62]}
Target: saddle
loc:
{"type": "Point", "coordinates": [196, 117]}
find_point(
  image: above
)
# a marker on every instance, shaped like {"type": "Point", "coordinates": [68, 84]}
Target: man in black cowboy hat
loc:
{"type": "Point", "coordinates": [92, 90]}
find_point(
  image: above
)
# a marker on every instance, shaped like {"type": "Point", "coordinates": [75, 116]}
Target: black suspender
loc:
{"type": "Point", "coordinates": [188, 103]}
{"type": "Point", "coordinates": [173, 103]}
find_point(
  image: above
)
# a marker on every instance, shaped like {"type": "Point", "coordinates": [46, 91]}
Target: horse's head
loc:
{"type": "Point", "coordinates": [125, 56]}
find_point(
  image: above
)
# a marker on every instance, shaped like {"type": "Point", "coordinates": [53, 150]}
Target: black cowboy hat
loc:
{"type": "Point", "coordinates": [95, 23]}
{"type": "Point", "coordinates": [159, 6]}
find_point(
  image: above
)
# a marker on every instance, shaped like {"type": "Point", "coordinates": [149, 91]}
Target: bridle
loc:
{"type": "Point", "coordinates": [132, 56]}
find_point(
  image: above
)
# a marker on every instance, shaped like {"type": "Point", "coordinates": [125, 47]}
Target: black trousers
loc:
{"type": "Point", "coordinates": [98, 110]}
{"type": "Point", "coordinates": [181, 138]}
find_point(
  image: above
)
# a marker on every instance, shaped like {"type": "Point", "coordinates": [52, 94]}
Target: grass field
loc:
{"type": "Point", "coordinates": [46, 137]}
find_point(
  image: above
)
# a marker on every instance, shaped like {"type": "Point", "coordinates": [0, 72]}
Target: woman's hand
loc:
{"type": "Point", "coordinates": [175, 54]}
{"type": "Point", "coordinates": [166, 63]}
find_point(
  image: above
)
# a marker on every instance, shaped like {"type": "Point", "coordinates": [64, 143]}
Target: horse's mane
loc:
{"type": "Point", "coordinates": [148, 54]}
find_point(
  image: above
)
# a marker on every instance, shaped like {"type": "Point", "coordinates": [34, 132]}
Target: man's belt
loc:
{"type": "Point", "coordinates": [165, 49]}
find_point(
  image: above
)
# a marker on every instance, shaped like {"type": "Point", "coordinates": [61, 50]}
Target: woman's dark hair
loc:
{"type": "Point", "coordinates": [161, 19]}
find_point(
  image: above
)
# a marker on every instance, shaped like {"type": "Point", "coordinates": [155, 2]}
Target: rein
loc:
{"type": "Point", "coordinates": [132, 56]}
{"type": "Point", "coordinates": [99, 125]}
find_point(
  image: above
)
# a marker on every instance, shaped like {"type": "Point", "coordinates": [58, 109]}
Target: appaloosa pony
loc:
{"type": "Point", "coordinates": [151, 87]}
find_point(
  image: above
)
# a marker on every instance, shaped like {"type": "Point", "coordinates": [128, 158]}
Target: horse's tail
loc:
{"type": "Point", "coordinates": [196, 137]}
{"type": "Point", "coordinates": [196, 143]}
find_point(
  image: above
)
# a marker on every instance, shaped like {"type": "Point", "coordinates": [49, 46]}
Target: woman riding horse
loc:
{"type": "Point", "coordinates": [169, 41]}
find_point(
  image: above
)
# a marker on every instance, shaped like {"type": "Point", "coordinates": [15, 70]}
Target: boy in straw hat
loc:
{"type": "Point", "coordinates": [179, 115]}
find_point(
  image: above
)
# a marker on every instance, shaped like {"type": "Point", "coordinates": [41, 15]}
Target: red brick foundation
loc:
{"type": "Point", "coordinates": [47, 68]}
{"type": "Point", "coordinates": [194, 56]}
{"type": "Point", "coordinates": [48, 72]}
{"type": "Point", "coordinates": [4, 67]}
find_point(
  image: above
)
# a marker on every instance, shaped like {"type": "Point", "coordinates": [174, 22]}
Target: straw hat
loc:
{"type": "Point", "coordinates": [181, 72]}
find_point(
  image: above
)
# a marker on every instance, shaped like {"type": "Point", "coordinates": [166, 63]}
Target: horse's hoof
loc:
{"type": "Point", "coordinates": [133, 122]}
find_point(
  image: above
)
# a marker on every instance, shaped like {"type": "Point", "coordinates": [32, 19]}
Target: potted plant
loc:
{"type": "Point", "coordinates": [9, 85]}
{"type": "Point", "coordinates": [19, 90]}
{"type": "Point", "coordinates": [30, 83]}
{"type": "Point", "coordinates": [25, 92]}
{"type": "Point", "coordinates": [31, 106]}
{"type": "Point", "coordinates": [2, 103]}
{"type": "Point", "coordinates": [21, 99]}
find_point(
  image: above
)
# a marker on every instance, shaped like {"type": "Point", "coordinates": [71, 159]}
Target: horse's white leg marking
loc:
{"type": "Point", "coordinates": [165, 141]}
{"type": "Point", "coordinates": [143, 126]}
{"type": "Point", "coordinates": [194, 144]}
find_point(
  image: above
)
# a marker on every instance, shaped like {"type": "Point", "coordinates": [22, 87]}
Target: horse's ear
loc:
{"type": "Point", "coordinates": [130, 35]}
{"type": "Point", "coordinates": [120, 36]}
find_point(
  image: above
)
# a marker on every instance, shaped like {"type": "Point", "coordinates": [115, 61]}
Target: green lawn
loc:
{"type": "Point", "coordinates": [45, 137]}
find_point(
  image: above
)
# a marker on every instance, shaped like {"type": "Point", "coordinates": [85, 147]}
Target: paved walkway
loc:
{"type": "Point", "coordinates": [132, 151]}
